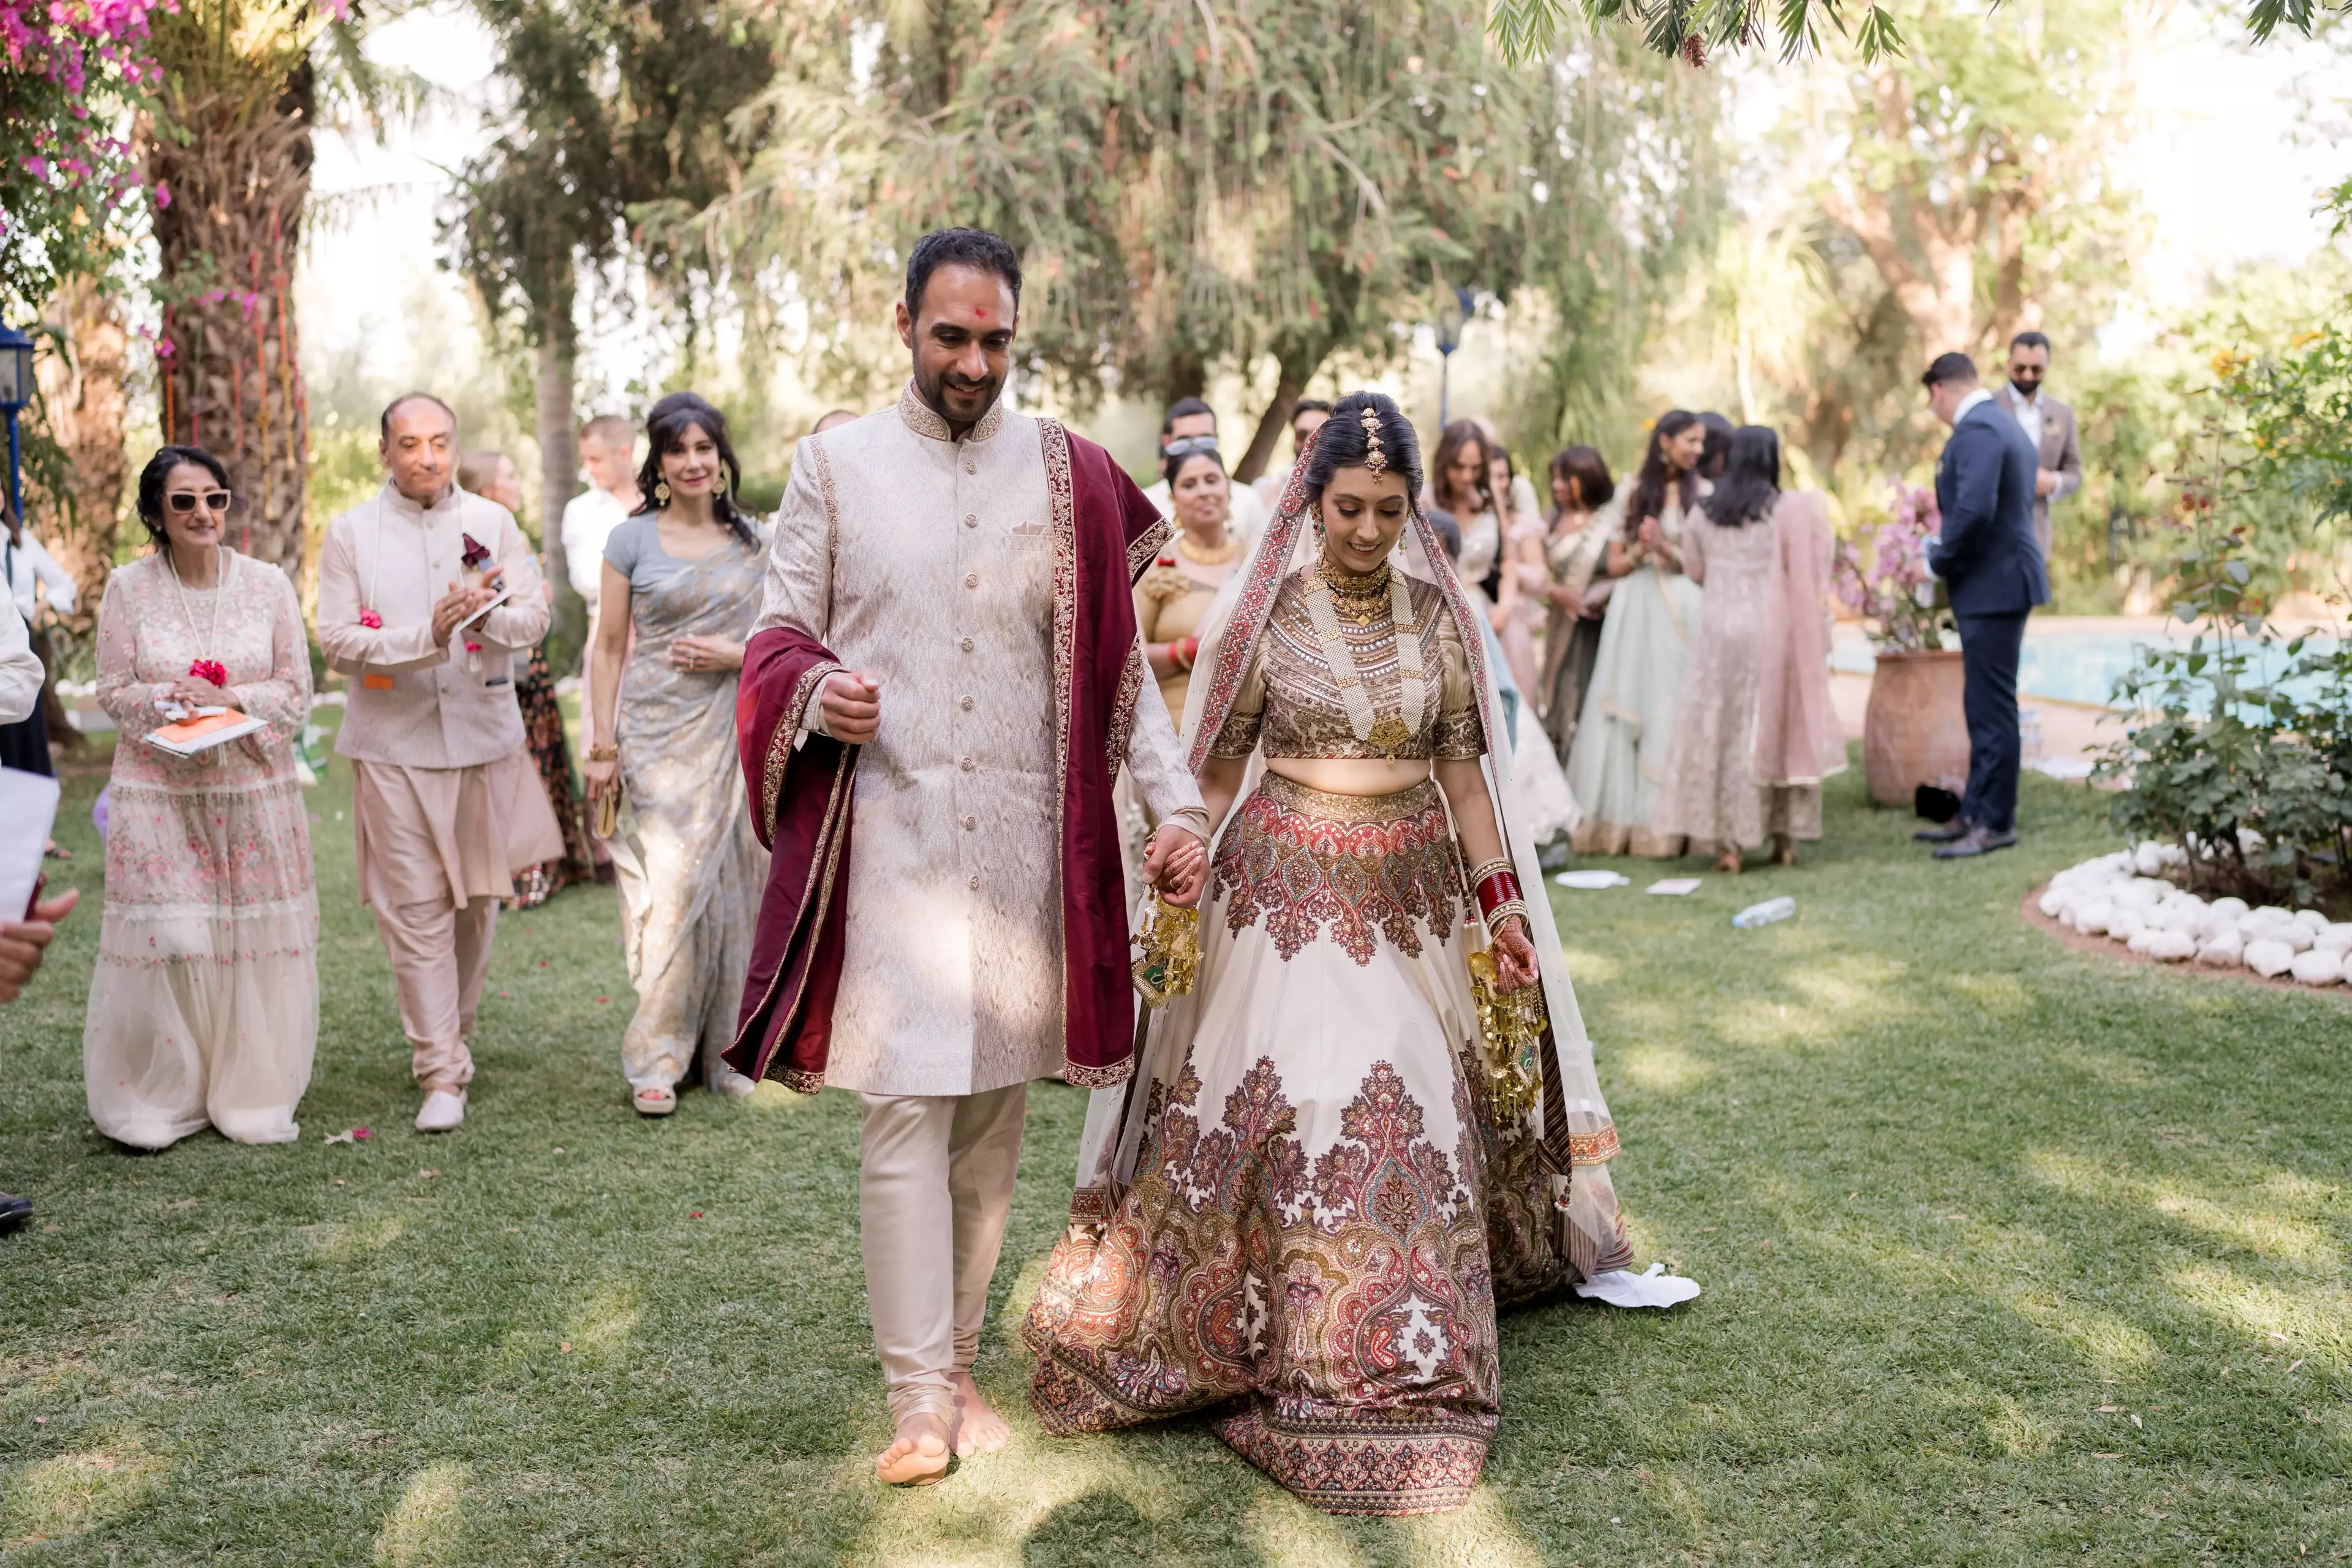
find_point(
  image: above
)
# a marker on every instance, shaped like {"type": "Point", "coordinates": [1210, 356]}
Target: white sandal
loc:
{"type": "Point", "coordinates": [655, 1100]}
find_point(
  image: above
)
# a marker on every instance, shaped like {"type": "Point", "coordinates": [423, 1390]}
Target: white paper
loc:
{"type": "Point", "coordinates": [1674, 887]}
{"type": "Point", "coordinates": [1591, 881]}
{"type": "Point", "coordinates": [475, 619]}
{"type": "Point", "coordinates": [1651, 1287]}
{"type": "Point", "coordinates": [29, 811]}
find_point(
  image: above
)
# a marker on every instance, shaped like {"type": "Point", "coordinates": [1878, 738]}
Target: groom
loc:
{"type": "Point", "coordinates": [945, 674]}
{"type": "Point", "coordinates": [1990, 558]}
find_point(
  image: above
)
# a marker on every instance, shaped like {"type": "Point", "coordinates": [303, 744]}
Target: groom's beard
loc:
{"type": "Point", "coordinates": [955, 399]}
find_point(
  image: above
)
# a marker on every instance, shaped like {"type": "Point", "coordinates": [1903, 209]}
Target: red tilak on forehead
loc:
{"type": "Point", "coordinates": [980, 310]}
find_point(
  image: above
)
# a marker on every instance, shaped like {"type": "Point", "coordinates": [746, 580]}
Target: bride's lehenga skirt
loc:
{"type": "Point", "coordinates": [1321, 1217]}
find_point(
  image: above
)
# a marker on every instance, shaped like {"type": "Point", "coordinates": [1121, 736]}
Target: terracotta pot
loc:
{"type": "Point", "coordinates": [1914, 731]}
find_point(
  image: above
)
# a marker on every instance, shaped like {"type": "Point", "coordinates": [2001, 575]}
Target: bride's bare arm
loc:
{"type": "Point", "coordinates": [1464, 785]}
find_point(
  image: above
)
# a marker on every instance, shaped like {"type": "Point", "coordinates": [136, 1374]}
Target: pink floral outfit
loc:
{"type": "Point", "coordinates": [204, 1008]}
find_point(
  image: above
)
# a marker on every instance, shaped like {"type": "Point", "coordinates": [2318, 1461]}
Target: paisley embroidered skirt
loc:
{"type": "Point", "coordinates": [1319, 1214]}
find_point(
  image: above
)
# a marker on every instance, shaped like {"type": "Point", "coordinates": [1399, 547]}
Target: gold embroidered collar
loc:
{"type": "Point", "coordinates": [925, 421]}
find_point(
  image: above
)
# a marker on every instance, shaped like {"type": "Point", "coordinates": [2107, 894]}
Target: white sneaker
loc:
{"type": "Point", "coordinates": [730, 1082]}
{"type": "Point", "coordinates": [443, 1111]}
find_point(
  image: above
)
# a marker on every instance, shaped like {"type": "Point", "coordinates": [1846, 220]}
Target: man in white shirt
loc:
{"type": "Point", "coordinates": [1306, 417]}
{"type": "Point", "coordinates": [608, 451]}
{"type": "Point", "coordinates": [2048, 424]}
{"type": "Point", "coordinates": [1190, 418]}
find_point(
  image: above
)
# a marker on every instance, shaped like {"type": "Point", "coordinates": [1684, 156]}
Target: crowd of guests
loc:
{"type": "Point", "coordinates": [1661, 646]}
{"type": "Point", "coordinates": [1667, 641]}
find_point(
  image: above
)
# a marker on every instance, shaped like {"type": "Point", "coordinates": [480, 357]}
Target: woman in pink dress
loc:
{"type": "Point", "coordinates": [204, 1008]}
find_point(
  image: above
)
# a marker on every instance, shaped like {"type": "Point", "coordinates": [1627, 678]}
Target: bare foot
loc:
{"type": "Point", "coordinates": [1729, 864]}
{"type": "Point", "coordinates": [919, 1456]}
{"type": "Point", "coordinates": [979, 1428]}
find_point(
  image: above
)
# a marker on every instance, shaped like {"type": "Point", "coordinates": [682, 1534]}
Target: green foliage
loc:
{"type": "Point", "coordinates": [1527, 30]}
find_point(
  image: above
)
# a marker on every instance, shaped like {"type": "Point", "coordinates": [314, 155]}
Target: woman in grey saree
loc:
{"type": "Point", "coordinates": [686, 578]}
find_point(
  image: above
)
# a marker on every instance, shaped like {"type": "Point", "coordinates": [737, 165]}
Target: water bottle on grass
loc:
{"type": "Point", "coordinates": [1781, 909]}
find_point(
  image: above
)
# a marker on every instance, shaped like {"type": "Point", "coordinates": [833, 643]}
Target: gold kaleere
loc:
{"type": "Point", "coordinates": [1171, 946]}
{"type": "Point", "coordinates": [1510, 1028]}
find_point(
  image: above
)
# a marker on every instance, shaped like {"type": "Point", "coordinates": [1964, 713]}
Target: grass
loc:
{"type": "Point", "coordinates": [2012, 1256]}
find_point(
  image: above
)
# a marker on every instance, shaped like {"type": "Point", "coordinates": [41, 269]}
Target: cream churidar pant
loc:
{"type": "Point", "coordinates": [913, 1147]}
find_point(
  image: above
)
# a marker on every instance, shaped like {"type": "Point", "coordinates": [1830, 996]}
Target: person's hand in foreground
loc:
{"type": "Point", "coordinates": [23, 942]}
{"type": "Point", "coordinates": [1177, 864]}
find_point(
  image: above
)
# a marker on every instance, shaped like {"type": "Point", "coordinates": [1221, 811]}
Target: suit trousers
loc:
{"type": "Point", "coordinates": [1989, 654]}
{"type": "Point", "coordinates": [934, 1187]}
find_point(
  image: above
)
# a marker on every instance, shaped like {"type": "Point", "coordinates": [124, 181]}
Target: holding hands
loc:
{"type": "Point", "coordinates": [1177, 864]}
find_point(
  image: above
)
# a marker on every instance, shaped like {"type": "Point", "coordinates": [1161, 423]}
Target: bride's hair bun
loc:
{"type": "Point", "coordinates": [1346, 441]}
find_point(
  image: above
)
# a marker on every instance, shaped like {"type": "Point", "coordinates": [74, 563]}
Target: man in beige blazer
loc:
{"type": "Point", "coordinates": [2049, 425]}
{"type": "Point", "coordinates": [446, 802]}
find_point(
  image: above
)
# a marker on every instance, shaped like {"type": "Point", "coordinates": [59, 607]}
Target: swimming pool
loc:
{"type": "Point", "coordinates": [2073, 660]}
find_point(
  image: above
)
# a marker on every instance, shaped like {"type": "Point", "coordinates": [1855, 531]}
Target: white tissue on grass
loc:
{"type": "Point", "coordinates": [2317, 968]}
{"type": "Point", "coordinates": [1651, 1287]}
{"type": "Point", "coordinates": [2269, 959]}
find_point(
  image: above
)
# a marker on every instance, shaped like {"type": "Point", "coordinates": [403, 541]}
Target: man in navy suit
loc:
{"type": "Point", "coordinates": [1992, 560]}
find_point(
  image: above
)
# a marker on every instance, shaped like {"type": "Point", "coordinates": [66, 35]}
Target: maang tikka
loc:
{"type": "Point", "coordinates": [1376, 461]}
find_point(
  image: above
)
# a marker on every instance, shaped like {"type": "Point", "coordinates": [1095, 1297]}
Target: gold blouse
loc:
{"type": "Point", "coordinates": [1171, 604]}
{"type": "Point", "coordinates": [1290, 700]}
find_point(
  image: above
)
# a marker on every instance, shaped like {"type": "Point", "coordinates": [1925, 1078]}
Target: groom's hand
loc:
{"type": "Point", "coordinates": [1177, 864]}
{"type": "Point", "coordinates": [853, 707]}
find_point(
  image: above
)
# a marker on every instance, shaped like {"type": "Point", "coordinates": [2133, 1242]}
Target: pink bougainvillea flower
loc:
{"type": "Point", "coordinates": [371, 620]}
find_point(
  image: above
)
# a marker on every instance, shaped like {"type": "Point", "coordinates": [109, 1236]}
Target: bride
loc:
{"type": "Point", "coordinates": [1321, 1183]}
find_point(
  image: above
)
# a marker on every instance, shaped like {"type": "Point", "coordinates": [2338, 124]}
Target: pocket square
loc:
{"type": "Point", "coordinates": [1031, 531]}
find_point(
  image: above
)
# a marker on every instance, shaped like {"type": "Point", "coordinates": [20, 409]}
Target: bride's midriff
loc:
{"type": "Point", "coordinates": [1352, 775]}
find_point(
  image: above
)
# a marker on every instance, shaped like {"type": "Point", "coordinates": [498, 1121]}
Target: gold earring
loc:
{"type": "Point", "coordinates": [720, 489]}
{"type": "Point", "coordinates": [661, 492]}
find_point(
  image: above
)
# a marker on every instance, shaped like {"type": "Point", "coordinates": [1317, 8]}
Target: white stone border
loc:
{"type": "Point", "coordinates": [2125, 897]}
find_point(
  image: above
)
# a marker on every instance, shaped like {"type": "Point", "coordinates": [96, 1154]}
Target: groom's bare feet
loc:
{"type": "Point", "coordinates": [979, 1428]}
{"type": "Point", "coordinates": [920, 1454]}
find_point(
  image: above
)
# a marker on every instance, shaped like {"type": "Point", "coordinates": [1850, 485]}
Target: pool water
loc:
{"type": "Point", "coordinates": [2066, 664]}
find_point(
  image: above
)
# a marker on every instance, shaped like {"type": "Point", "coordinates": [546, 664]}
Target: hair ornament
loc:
{"type": "Point", "coordinates": [1376, 462]}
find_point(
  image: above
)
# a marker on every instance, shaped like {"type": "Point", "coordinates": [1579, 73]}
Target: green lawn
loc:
{"type": "Point", "coordinates": [2012, 1256]}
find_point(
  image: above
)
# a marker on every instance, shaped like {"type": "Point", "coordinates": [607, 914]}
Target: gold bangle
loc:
{"type": "Point", "coordinates": [607, 752]}
{"type": "Point", "coordinates": [1507, 909]}
{"type": "Point", "coordinates": [1488, 868]}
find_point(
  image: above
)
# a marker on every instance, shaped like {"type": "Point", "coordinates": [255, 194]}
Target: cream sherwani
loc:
{"type": "Point", "coordinates": [930, 561]}
{"type": "Point", "coordinates": [446, 802]}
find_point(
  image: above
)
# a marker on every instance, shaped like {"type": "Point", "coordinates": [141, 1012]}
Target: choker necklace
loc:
{"type": "Point", "coordinates": [1217, 557]}
{"type": "Point", "coordinates": [1368, 594]}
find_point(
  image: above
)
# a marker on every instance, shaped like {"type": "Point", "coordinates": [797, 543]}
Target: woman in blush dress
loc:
{"type": "Point", "coordinates": [1756, 736]}
{"type": "Point", "coordinates": [684, 575]}
{"type": "Point", "coordinates": [1323, 1180]}
{"type": "Point", "coordinates": [204, 1008]}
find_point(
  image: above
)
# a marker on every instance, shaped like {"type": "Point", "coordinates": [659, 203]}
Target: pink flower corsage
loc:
{"type": "Point", "coordinates": [210, 670]}
{"type": "Point", "coordinates": [371, 620]}
{"type": "Point", "coordinates": [472, 646]}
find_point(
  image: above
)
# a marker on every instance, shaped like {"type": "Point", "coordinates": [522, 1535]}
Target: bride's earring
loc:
{"type": "Point", "coordinates": [661, 492]}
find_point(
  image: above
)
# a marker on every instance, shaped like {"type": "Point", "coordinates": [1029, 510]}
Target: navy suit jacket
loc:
{"type": "Point", "coordinates": [1989, 557]}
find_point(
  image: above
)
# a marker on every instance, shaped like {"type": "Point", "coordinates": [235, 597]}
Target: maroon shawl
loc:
{"type": "Point", "coordinates": [1106, 531]}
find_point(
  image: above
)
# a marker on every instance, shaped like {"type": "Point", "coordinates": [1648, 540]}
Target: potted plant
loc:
{"type": "Point", "coordinates": [1914, 731]}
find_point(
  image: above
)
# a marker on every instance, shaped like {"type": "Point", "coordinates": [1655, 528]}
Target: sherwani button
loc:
{"type": "Point", "coordinates": [972, 579]}
{"type": "Point", "coordinates": [966, 764]}
{"type": "Point", "coordinates": [970, 823]}
{"type": "Point", "coordinates": [972, 468]}
{"type": "Point", "coordinates": [966, 645]}
{"type": "Point", "coordinates": [970, 520]}
{"type": "Point", "coordinates": [975, 884]}
{"type": "Point", "coordinates": [967, 704]}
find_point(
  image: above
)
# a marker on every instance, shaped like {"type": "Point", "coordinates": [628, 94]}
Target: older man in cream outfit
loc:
{"type": "Point", "coordinates": [446, 802]}
{"type": "Point", "coordinates": [917, 545]}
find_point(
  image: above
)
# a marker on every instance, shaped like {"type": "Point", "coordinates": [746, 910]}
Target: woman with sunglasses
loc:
{"type": "Point", "coordinates": [204, 1008]}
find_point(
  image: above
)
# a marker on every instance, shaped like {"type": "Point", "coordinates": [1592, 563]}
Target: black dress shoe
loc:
{"type": "Point", "coordinates": [1974, 842]}
{"type": "Point", "coordinates": [13, 1212]}
{"type": "Point", "coordinates": [1944, 834]}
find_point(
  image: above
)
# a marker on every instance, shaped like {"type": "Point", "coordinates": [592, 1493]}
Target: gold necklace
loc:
{"type": "Point", "coordinates": [1217, 557]}
{"type": "Point", "coordinates": [1357, 600]}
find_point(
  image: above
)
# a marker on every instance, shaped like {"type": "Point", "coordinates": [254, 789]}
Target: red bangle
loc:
{"type": "Point", "coordinates": [1183, 651]}
{"type": "Point", "coordinates": [1499, 889]}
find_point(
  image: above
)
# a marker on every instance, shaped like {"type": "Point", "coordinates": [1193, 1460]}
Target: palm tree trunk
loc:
{"type": "Point", "coordinates": [559, 437]}
{"type": "Point", "coordinates": [237, 171]}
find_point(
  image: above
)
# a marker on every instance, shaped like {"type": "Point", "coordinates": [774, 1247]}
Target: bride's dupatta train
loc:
{"type": "Point", "coordinates": [1304, 1210]}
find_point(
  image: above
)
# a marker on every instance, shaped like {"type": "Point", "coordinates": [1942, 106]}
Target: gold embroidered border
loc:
{"type": "Point", "coordinates": [831, 511]}
{"type": "Point", "coordinates": [800, 1082]}
{"type": "Point", "coordinates": [779, 745]}
{"type": "Point", "coordinates": [1147, 547]}
{"type": "Point", "coordinates": [1593, 1148]}
{"type": "Point", "coordinates": [1122, 712]}
{"type": "Point", "coordinates": [1109, 1077]}
{"type": "Point", "coordinates": [1326, 806]}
